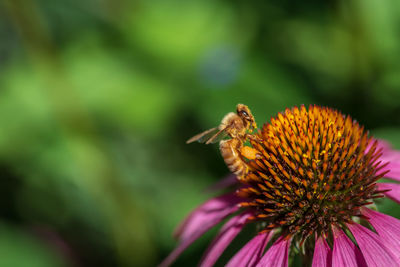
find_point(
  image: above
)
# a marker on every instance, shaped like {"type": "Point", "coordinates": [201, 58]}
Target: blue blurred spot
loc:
{"type": "Point", "coordinates": [220, 66]}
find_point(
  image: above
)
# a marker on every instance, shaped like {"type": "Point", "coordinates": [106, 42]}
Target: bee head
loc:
{"type": "Point", "coordinates": [245, 114]}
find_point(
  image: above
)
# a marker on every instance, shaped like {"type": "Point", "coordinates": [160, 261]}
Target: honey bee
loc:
{"type": "Point", "coordinates": [239, 127]}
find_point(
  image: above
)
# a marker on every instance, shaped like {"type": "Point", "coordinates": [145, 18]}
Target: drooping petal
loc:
{"type": "Point", "coordinates": [388, 153]}
{"type": "Point", "coordinates": [277, 255]}
{"type": "Point", "coordinates": [227, 233]}
{"type": "Point", "coordinates": [373, 249]}
{"type": "Point", "coordinates": [387, 227]}
{"type": "Point", "coordinates": [251, 253]}
{"type": "Point", "coordinates": [207, 215]}
{"type": "Point", "coordinates": [200, 221]}
{"type": "Point", "coordinates": [384, 145]}
{"type": "Point", "coordinates": [390, 156]}
{"type": "Point", "coordinates": [393, 167]}
{"type": "Point", "coordinates": [345, 253]}
{"type": "Point", "coordinates": [393, 194]}
{"type": "Point", "coordinates": [322, 254]}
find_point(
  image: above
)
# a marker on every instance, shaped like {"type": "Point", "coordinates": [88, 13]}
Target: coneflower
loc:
{"type": "Point", "coordinates": [310, 190]}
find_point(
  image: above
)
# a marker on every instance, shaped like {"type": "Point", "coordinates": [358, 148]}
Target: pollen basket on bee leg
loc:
{"type": "Point", "coordinates": [248, 152]}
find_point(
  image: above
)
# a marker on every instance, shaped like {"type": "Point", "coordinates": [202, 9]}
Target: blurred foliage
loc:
{"type": "Point", "coordinates": [97, 98]}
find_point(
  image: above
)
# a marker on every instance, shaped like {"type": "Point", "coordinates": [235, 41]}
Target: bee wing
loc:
{"type": "Point", "coordinates": [218, 136]}
{"type": "Point", "coordinates": [204, 136]}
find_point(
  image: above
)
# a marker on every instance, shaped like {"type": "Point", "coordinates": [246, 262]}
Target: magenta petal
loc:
{"type": "Point", "coordinates": [277, 254]}
{"type": "Point", "coordinates": [322, 254]}
{"type": "Point", "coordinates": [251, 253]}
{"type": "Point", "coordinates": [388, 153]}
{"type": "Point", "coordinates": [390, 156]}
{"type": "Point", "coordinates": [382, 144]}
{"type": "Point", "coordinates": [373, 249]}
{"type": "Point", "coordinates": [386, 146]}
{"type": "Point", "coordinates": [387, 227]}
{"type": "Point", "coordinates": [207, 215]}
{"type": "Point", "coordinates": [393, 194]}
{"type": "Point", "coordinates": [200, 221]}
{"type": "Point", "coordinates": [227, 233]}
{"type": "Point", "coordinates": [393, 167]}
{"type": "Point", "coordinates": [345, 253]}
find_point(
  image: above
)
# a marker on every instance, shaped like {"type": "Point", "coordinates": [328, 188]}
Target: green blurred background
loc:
{"type": "Point", "coordinates": [97, 98]}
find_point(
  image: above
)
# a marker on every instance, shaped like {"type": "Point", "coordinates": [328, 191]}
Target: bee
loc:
{"type": "Point", "coordinates": [239, 127]}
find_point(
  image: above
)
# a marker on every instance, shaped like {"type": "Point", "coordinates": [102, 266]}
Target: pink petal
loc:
{"type": "Point", "coordinates": [207, 215]}
{"type": "Point", "coordinates": [393, 194]}
{"type": "Point", "coordinates": [251, 253]}
{"type": "Point", "coordinates": [345, 253]}
{"type": "Point", "coordinates": [200, 221]}
{"type": "Point", "coordinates": [393, 167]}
{"type": "Point", "coordinates": [227, 233]}
{"type": "Point", "coordinates": [387, 227]}
{"type": "Point", "coordinates": [385, 145]}
{"type": "Point", "coordinates": [382, 144]}
{"type": "Point", "coordinates": [373, 249]}
{"type": "Point", "coordinates": [277, 254]}
{"type": "Point", "coordinates": [390, 156]}
{"type": "Point", "coordinates": [322, 254]}
{"type": "Point", "coordinates": [388, 153]}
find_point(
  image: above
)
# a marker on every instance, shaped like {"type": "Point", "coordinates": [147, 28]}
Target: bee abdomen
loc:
{"type": "Point", "coordinates": [230, 154]}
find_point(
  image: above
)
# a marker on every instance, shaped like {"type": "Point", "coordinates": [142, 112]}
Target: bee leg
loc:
{"type": "Point", "coordinates": [253, 137]}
